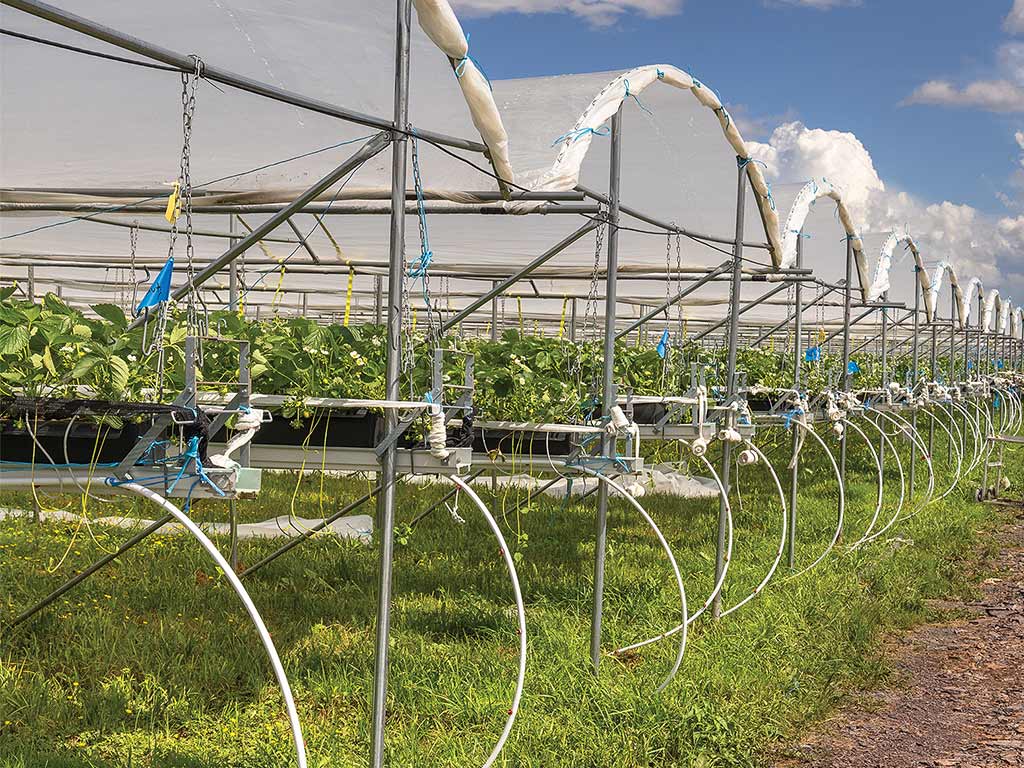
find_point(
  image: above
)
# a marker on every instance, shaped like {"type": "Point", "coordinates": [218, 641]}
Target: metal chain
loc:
{"type": "Point", "coordinates": [189, 84]}
{"type": "Point", "coordinates": [591, 311]}
{"type": "Point", "coordinates": [133, 241]}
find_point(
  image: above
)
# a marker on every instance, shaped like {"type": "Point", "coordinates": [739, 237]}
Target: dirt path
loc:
{"type": "Point", "coordinates": [959, 695]}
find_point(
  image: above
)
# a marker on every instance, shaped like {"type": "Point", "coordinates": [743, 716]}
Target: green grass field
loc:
{"type": "Point", "coordinates": [153, 662]}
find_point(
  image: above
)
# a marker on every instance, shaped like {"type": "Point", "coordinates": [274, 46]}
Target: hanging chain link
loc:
{"type": "Point", "coordinates": [189, 83]}
{"type": "Point", "coordinates": [590, 313]}
{"type": "Point", "coordinates": [133, 245]}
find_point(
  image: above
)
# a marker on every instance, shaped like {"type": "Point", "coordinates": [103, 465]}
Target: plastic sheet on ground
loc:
{"type": "Point", "coordinates": [352, 527]}
{"type": "Point", "coordinates": [658, 479]}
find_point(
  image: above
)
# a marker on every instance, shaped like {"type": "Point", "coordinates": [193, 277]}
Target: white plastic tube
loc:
{"type": "Point", "coordinates": [841, 506]}
{"type": "Point", "coordinates": [782, 538]}
{"type": "Point", "coordinates": [903, 481]}
{"type": "Point", "coordinates": [671, 559]}
{"type": "Point", "coordinates": [721, 578]}
{"type": "Point", "coordinates": [250, 608]}
{"type": "Point", "coordinates": [520, 617]}
{"type": "Point", "coordinates": [879, 478]}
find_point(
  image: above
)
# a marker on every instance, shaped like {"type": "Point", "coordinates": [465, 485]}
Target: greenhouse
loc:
{"type": "Point", "coordinates": [331, 362]}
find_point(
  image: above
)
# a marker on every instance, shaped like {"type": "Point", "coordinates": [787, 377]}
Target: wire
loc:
{"type": "Point", "coordinates": [127, 206]}
{"type": "Point", "coordinates": [88, 52]}
{"type": "Point", "coordinates": [302, 242]}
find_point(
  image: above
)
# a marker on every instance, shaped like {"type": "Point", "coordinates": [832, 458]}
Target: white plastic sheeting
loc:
{"type": "Point", "coordinates": [993, 308]}
{"type": "Point", "coordinates": [564, 173]}
{"type": "Point", "coordinates": [440, 24]}
{"type": "Point", "coordinates": [942, 268]}
{"type": "Point", "coordinates": [880, 281]}
{"type": "Point", "coordinates": [975, 289]}
{"type": "Point", "coordinates": [358, 527]}
{"type": "Point", "coordinates": [814, 190]}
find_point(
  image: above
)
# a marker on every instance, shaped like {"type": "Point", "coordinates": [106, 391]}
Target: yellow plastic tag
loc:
{"type": "Point", "coordinates": [561, 324]}
{"type": "Point", "coordinates": [348, 295]}
{"type": "Point", "coordinates": [173, 204]}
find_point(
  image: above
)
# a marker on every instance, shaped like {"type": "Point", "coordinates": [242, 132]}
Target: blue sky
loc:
{"type": "Point", "coordinates": [830, 64]}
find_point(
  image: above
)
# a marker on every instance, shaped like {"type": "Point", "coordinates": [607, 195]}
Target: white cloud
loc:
{"type": "Point", "coordinates": [975, 243]}
{"type": "Point", "coordinates": [1014, 23]}
{"type": "Point", "coordinates": [989, 95]}
{"type": "Point", "coordinates": [795, 152]}
{"type": "Point", "coordinates": [597, 12]}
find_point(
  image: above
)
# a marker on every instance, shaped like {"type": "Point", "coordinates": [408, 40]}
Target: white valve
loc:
{"type": "Point", "coordinates": [699, 446]}
{"type": "Point", "coordinates": [729, 435]}
{"type": "Point", "coordinates": [618, 420]}
{"type": "Point", "coordinates": [838, 429]}
{"type": "Point", "coordinates": [747, 457]}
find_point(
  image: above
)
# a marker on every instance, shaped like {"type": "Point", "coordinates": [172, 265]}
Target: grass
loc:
{"type": "Point", "coordinates": [153, 663]}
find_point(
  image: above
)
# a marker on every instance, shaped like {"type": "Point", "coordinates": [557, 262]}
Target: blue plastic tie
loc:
{"type": "Point", "coordinates": [852, 368]}
{"type": "Point", "coordinates": [578, 133]}
{"type": "Point", "coordinates": [461, 66]}
{"type": "Point", "coordinates": [791, 414]}
{"type": "Point", "coordinates": [634, 97]}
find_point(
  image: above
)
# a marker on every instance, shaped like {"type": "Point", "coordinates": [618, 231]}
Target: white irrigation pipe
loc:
{"type": "Point", "coordinates": [1016, 422]}
{"type": "Point", "coordinates": [880, 479]}
{"type": "Point", "coordinates": [842, 501]}
{"type": "Point", "coordinates": [977, 445]}
{"type": "Point", "coordinates": [782, 540]}
{"type": "Point", "coordinates": [959, 457]}
{"type": "Point", "coordinates": [687, 620]}
{"type": "Point", "coordinates": [250, 608]}
{"type": "Point", "coordinates": [905, 427]}
{"type": "Point", "coordinates": [1002, 411]}
{"type": "Point", "coordinates": [717, 588]}
{"type": "Point", "coordinates": [903, 480]}
{"type": "Point", "coordinates": [520, 613]}
{"type": "Point", "coordinates": [671, 559]}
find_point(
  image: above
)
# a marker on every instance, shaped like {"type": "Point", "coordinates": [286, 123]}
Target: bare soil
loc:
{"type": "Point", "coordinates": [958, 696]}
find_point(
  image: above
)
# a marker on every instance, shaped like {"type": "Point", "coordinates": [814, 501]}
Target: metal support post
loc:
{"type": "Point", "coordinates": [494, 314]}
{"type": "Point", "coordinates": [378, 296]}
{"type": "Point", "coordinates": [232, 269]}
{"type": "Point", "coordinates": [844, 374]}
{"type": "Point", "coordinates": [797, 353]}
{"type": "Point", "coordinates": [608, 388]}
{"type": "Point", "coordinates": [396, 270]}
{"type": "Point", "coordinates": [734, 327]}
{"type": "Point", "coordinates": [914, 379]}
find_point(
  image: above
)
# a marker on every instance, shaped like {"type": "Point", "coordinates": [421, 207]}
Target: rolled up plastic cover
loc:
{"type": "Point", "coordinates": [440, 24]}
{"type": "Point", "coordinates": [801, 208]}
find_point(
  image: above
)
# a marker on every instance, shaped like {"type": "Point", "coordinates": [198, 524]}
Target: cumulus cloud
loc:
{"type": "Point", "coordinates": [1014, 23]}
{"type": "Point", "coordinates": [795, 151]}
{"type": "Point", "coordinates": [975, 243]}
{"type": "Point", "coordinates": [990, 95]}
{"type": "Point", "coordinates": [596, 12]}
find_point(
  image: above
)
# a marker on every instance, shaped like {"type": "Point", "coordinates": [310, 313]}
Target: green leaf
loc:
{"type": "Point", "coordinates": [13, 339]}
{"type": "Point", "coordinates": [48, 361]}
{"type": "Point", "coordinates": [119, 373]}
{"type": "Point", "coordinates": [177, 335]}
{"type": "Point", "coordinates": [6, 293]}
{"type": "Point", "coordinates": [112, 313]}
{"type": "Point", "coordinates": [258, 370]}
{"type": "Point", "coordinates": [56, 305]}
{"type": "Point", "coordinates": [83, 366]}
{"type": "Point", "coordinates": [81, 331]}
